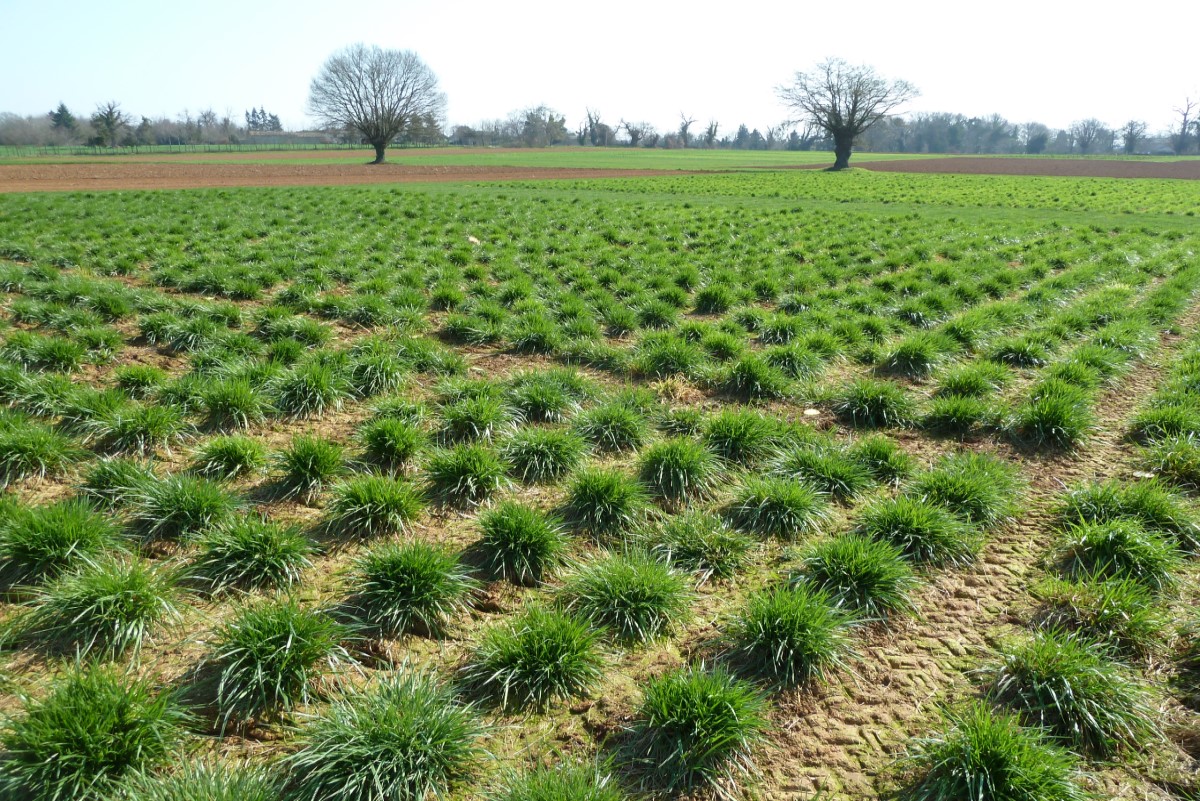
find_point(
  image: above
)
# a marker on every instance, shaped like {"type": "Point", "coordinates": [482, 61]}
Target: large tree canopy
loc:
{"type": "Point", "coordinates": [379, 93]}
{"type": "Point", "coordinates": [844, 100]}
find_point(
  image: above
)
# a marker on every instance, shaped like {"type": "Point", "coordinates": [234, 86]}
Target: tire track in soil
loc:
{"type": "Point", "coordinates": [840, 738]}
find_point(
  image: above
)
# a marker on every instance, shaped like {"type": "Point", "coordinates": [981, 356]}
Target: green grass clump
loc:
{"type": "Point", "coordinates": [235, 403]}
{"type": "Point", "coordinates": [266, 657]}
{"type": "Point", "coordinates": [371, 506]}
{"type": "Point", "coordinates": [613, 428]}
{"type": "Point", "coordinates": [753, 378]}
{"type": "Point", "coordinates": [111, 483]}
{"type": "Point", "coordinates": [793, 360]}
{"type": "Point", "coordinates": [632, 595]}
{"type": "Point", "coordinates": [391, 443]}
{"type": "Point", "coordinates": [1176, 460]}
{"type": "Point", "coordinates": [869, 403]}
{"type": "Point", "coordinates": [308, 465]}
{"type": "Point", "coordinates": [206, 781]}
{"type": "Point", "coordinates": [883, 458]}
{"type": "Point", "coordinates": [410, 587]}
{"type": "Point", "coordinates": [406, 739]}
{"type": "Point", "coordinates": [867, 577]}
{"type": "Point", "coordinates": [740, 436]}
{"type": "Point", "coordinates": [924, 532]}
{"type": "Point", "coordinates": [138, 428]}
{"type": "Point", "coordinates": [104, 608]}
{"type": "Point", "coordinates": [465, 474]}
{"type": "Point", "coordinates": [474, 419]}
{"type": "Point", "coordinates": [793, 635]}
{"type": "Point", "coordinates": [229, 457]}
{"type": "Point", "coordinates": [1118, 548]}
{"type": "Point", "coordinates": [974, 380]}
{"type": "Point", "coordinates": [697, 729]}
{"type": "Point", "coordinates": [139, 380]}
{"type": "Point", "coordinates": [960, 414]}
{"type": "Point", "coordinates": [1120, 613]}
{"type": "Point", "coordinates": [94, 727]}
{"type": "Point", "coordinates": [563, 782]}
{"type": "Point", "coordinates": [251, 553]}
{"type": "Point", "coordinates": [521, 543]}
{"type": "Point", "coordinates": [539, 656]}
{"type": "Point", "coordinates": [777, 507]}
{"type": "Point", "coordinates": [40, 543]}
{"type": "Point", "coordinates": [1169, 419]}
{"type": "Point", "coordinates": [916, 355]}
{"type": "Point", "coordinates": [988, 755]}
{"type": "Point", "coordinates": [1150, 503]}
{"type": "Point", "coordinates": [678, 469]}
{"type": "Point", "coordinates": [310, 390]}
{"type": "Point", "coordinates": [179, 506]}
{"type": "Point", "coordinates": [1060, 417]}
{"type": "Point", "coordinates": [33, 450]}
{"type": "Point", "coordinates": [827, 469]}
{"type": "Point", "coordinates": [702, 543]}
{"type": "Point", "coordinates": [1075, 691]}
{"type": "Point", "coordinates": [537, 455]}
{"type": "Point", "coordinates": [603, 502]}
{"type": "Point", "coordinates": [977, 487]}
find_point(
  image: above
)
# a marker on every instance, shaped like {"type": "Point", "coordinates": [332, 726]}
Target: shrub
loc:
{"type": "Point", "coordinates": [465, 474]}
{"type": "Point", "coordinates": [923, 531]}
{"type": "Point", "coordinates": [309, 464]}
{"type": "Point", "coordinates": [522, 544]}
{"type": "Point", "coordinates": [113, 482]}
{"type": "Point", "coordinates": [989, 755]}
{"type": "Point", "coordinates": [740, 436]}
{"type": "Point", "coordinates": [697, 729]}
{"type": "Point", "coordinates": [678, 469]}
{"type": "Point", "coordinates": [866, 402]}
{"type": "Point", "coordinates": [1075, 691]}
{"type": "Point", "coordinates": [406, 739]}
{"type": "Point", "coordinates": [179, 506]}
{"type": "Point", "coordinates": [543, 454]}
{"type": "Point", "coordinates": [828, 470]}
{"type": "Point", "coordinates": [1118, 548]}
{"type": "Point", "coordinates": [235, 403]}
{"type": "Point", "coordinates": [603, 501]}
{"type": "Point", "coordinates": [539, 656]}
{"type": "Point", "coordinates": [777, 507]}
{"type": "Point", "coordinates": [228, 457]}
{"type": "Point", "coordinates": [372, 506]}
{"type": "Point", "coordinates": [791, 634]}
{"type": "Point", "coordinates": [613, 427]}
{"type": "Point", "coordinates": [39, 543]}
{"type": "Point", "coordinates": [94, 727]}
{"type": "Point", "coordinates": [702, 543]}
{"type": "Point", "coordinates": [391, 443]}
{"type": "Point", "coordinates": [1149, 503]}
{"type": "Point", "coordinates": [413, 587]}
{"type": "Point", "coordinates": [252, 553]}
{"type": "Point", "coordinates": [632, 595]}
{"type": "Point", "coordinates": [865, 576]}
{"type": "Point", "coordinates": [977, 487]}
{"type": "Point", "coordinates": [103, 608]}
{"type": "Point", "coordinates": [267, 655]}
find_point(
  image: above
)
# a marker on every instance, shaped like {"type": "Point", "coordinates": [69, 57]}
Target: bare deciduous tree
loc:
{"type": "Point", "coordinates": [378, 93]}
{"type": "Point", "coordinates": [685, 126]}
{"type": "Point", "coordinates": [1132, 132]}
{"type": "Point", "coordinates": [1179, 141]}
{"type": "Point", "coordinates": [844, 100]}
{"type": "Point", "coordinates": [636, 131]}
{"type": "Point", "coordinates": [1087, 134]}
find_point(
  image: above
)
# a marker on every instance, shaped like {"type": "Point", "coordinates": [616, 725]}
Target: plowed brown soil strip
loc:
{"type": "Point", "coordinates": [1078, 168]}
{"type": "Point", "coordinates": [160, 175]}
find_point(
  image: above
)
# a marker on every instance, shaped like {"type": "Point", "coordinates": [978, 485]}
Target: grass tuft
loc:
{"type": "Point", "coordinates": [410, 587]}
{"type": "Point", "coordinates": [867, 577]}
{"type": "Point", "coordinates": [777, 507]}
{"type": "Point", "coordinates": [632, 595]}
{"type": "Point", "coordinates": [521, 543]}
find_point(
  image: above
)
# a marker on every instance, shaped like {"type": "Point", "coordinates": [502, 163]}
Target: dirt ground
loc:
{"type": "Point", "coordinates": [293, 169]}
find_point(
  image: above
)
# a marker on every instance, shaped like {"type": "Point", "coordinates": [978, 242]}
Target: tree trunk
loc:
{"type": "Point", "coordinates": [379, 148]}
{"type": "Point", "coordinates": [841, 151]}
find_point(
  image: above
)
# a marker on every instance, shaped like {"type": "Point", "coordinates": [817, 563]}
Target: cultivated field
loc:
{"type": "Point", "coordinates": [741, 481]}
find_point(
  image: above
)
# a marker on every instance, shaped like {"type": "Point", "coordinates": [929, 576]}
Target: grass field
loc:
{"type": "Point", "coordinates": [785, 484]}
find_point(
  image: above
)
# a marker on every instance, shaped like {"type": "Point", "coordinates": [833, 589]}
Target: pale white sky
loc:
{"type": "Point", "coordinates": [1048, 61]}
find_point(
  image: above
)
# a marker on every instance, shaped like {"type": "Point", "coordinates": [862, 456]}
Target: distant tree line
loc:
{"type": "Point", "coordinates": [541, 126]}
